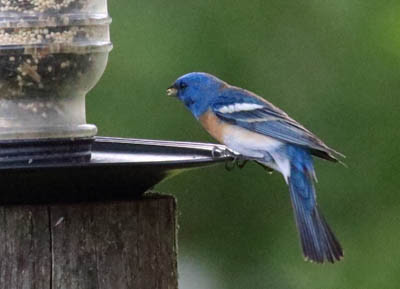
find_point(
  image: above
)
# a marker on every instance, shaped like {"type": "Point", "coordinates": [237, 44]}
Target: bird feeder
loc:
{"type": "Point", "coordinates": [51, 54]}
{"type": "Point", "coordinates": [53, 166]}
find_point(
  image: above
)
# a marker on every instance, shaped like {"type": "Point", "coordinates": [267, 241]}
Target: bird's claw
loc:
{"type": "Point", "coordinates": [241, 162]}
{"type": "Point", "coordinates": [217, 152]}
{"type": "Point", "coordinates": [229, 165]}
{"type": "Point", "coordinates": [237, 159]}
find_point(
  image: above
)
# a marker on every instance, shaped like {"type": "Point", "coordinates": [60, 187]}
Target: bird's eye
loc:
{"type": "Point", "coordinates": [182, 85]}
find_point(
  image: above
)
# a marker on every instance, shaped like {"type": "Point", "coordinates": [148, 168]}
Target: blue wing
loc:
{"type": "Point", "coordinates": [264, 118]}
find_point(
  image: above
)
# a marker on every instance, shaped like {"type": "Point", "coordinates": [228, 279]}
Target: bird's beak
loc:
{"type": "Point", "coordinates": [172, 91]}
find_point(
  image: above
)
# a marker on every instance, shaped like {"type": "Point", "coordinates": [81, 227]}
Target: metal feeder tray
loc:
{"type": "Point", "coordinates": [96, 169]}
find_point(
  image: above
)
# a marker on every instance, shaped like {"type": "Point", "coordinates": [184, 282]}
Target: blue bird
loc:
{"type": "Point", "coordinates": [259, 131]}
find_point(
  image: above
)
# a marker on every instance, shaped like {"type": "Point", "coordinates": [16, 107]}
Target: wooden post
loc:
{"type": "Point", "coordinates": [128, 244]}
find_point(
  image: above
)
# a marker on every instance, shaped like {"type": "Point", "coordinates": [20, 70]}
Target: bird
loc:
{"type": "Point", "coordinates": [259, 131]}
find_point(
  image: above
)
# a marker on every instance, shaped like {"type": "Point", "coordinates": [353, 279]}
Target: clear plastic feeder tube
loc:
{"type": "Point", "coordinates": [51, 54]}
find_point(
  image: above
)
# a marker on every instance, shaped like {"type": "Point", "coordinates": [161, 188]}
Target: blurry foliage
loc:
{"type": "Point", "coordinates": [333, 66]}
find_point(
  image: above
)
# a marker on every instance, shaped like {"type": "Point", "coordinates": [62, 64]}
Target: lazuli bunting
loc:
{"type": "Point", "coordinates": [259, 131]}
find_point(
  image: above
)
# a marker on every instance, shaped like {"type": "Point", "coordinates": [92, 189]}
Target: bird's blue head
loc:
{"type": "Point", "coordinates": [197, 90]}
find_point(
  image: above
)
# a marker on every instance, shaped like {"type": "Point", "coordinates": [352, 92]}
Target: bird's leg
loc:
{"type": "Point", "coordinates": [237, 159]}
{"type": "Point", "coordinates": [218, 152]}
{"type": "Point", "coordinates": [225, 153]}
{"type": "Point", "coordinates": [241, 162]}
{"type": "Point", "coordinates": [230, 165]}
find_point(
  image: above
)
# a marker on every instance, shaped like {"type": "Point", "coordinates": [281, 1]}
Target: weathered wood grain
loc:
{"type": "Point", "coordinates": [128, 244]}
{"type": "Point", "coordinates": [25, 255]}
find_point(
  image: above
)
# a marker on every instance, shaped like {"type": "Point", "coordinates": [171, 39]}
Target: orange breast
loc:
{"type": "Point", "coordinates": [213, 125]}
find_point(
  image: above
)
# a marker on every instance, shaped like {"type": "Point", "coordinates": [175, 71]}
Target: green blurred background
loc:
{"type": "Point", "coordinates": [333, 66]}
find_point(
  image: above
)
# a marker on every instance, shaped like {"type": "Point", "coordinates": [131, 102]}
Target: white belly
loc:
{"type": "Point", "coordinates": [249, 143]}
{"type": "Point", "coordinates": [254, 145]}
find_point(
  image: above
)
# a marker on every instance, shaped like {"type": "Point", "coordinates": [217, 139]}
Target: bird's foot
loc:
{"type": "Point", "coordinates": [218, 152]}
{"type": "Point", "coordinates": [238, 161]}
{"type": "Point", "coordinates": [229, 165]}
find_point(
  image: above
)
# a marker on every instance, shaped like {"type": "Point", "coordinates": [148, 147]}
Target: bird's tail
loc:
{"type": "Point", "coordinates": [317, 239]}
